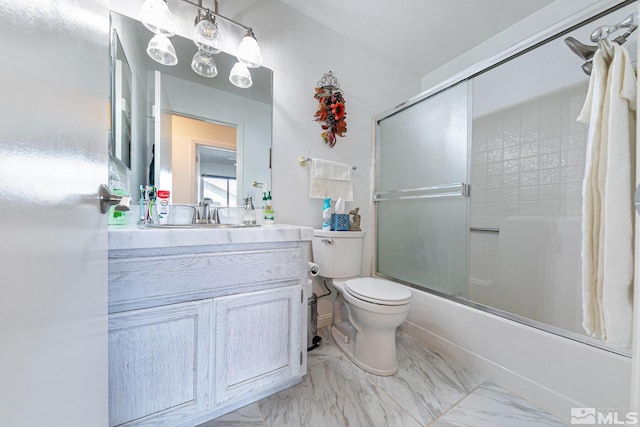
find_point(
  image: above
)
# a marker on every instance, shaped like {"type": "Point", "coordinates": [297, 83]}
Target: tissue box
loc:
{"type": "Point", "coordinates": [339, 222]}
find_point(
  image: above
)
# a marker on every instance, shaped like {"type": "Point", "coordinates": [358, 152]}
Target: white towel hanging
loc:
{"type": "Point", "coordinates": [330, 179]}
{"type": "Point", "coordinates": [607, 249]}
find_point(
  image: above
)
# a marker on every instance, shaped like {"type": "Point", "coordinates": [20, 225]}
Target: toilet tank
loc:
{"type": "Point", "coordinates": [338, 253]}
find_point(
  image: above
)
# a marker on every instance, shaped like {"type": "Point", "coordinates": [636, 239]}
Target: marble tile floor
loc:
{"type": "Point", "coordinates": [428, 390]}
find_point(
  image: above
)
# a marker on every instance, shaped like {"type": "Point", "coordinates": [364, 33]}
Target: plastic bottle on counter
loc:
{"type": "Point", "coordinates": [163, 206]}
{"type": "Point", "coordinates": [269, 216]}
{"type": "Point", "coordinates": [326, 214]}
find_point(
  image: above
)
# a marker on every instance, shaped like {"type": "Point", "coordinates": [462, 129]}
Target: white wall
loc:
{"type": "Point", "coordinates": [555, 15]}
{"type": "Point", "coordinates": [553, 372]}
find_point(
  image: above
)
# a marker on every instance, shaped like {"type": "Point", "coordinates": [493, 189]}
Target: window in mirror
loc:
{"type": "Point", "coordinates": [221, 189]}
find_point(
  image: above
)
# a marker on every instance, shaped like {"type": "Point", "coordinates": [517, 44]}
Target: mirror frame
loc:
{"type": "Point", "coordinates": [116, 49]}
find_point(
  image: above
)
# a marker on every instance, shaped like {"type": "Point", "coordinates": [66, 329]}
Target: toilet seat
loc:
{"type": "Point", "coordinates": [378, 291]}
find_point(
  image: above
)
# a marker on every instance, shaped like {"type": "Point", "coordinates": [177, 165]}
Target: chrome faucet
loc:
{"type": "Point", "coordinates": [209, 213]}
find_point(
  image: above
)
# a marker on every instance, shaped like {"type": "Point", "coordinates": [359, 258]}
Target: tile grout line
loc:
{"type": "Point", "coordinates": [264, 420]}
{"type": "Point", "coordinates": [393, 400]}
{"type": "Point", "coordinates": [455, 404]}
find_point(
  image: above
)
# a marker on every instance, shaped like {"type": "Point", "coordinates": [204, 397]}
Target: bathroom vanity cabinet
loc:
{"type": "Point", "coordinates": [197, 331]}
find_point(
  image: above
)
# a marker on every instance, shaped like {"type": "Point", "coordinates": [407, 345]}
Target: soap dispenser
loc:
{"type": "Point", "coordinates": [249, 217]}
{"type": "Point", "coordinates": [269, 216]}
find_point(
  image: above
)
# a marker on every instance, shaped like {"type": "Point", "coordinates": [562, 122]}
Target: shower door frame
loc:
{"type": "Point", "coordinates": [556, 31]}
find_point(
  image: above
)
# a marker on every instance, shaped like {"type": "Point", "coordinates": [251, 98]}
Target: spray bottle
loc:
{"type": "Point", "coordinates": [326, 215]}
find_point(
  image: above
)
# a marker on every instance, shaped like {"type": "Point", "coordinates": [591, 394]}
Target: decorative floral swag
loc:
{"type": "Point", "coordinates": [331, 111]}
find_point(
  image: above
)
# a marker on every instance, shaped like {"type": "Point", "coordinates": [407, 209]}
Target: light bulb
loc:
{"type": "Point", "coordinates": [156, 16]}
{"type": "Point", "coordinates": [249, 51]}
{"type": "Point", "coordinates": [207, 37]}
{"type": "Point", "coordinates": [161, 50]}
{"type": "Point", "coordinates": [240, 76]}
{"type": "Point", "coordinates": [204, 64]}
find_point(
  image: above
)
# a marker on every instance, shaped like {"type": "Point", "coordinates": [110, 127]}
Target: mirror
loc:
{"type": "Point", "coordinates": [175, 111]}
{"type": "Point", "coordinates": [120, 123]}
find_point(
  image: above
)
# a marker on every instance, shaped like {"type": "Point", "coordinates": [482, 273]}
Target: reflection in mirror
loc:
{"type": "Point", "coordinates": [175, 110]}
{"type": "Point", "coordinates": [217, 175]}
{"type": "Point", "coordinates": [199, 147]}
{"type": "Point", "coordinates": [121, 80]}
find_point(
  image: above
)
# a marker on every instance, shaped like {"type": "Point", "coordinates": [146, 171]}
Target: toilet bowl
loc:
{"type": "Point", "coordinates": [367, 310]}
{"type": "Point", "coordinates": [365, 322]}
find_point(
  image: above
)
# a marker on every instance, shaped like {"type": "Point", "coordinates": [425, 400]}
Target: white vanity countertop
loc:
{"type": "Point", "coordinates": [133, 237]}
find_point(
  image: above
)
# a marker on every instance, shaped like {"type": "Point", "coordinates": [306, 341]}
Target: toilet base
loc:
{"type": "Point", "coordinates": [347, 346]}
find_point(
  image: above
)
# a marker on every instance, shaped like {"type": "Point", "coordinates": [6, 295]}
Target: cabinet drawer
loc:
{"type": "Point", "coordinates": [143, 278]}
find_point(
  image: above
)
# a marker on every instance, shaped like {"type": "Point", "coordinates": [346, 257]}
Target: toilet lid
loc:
{"type": "Point", "coordinates": [378, 291]}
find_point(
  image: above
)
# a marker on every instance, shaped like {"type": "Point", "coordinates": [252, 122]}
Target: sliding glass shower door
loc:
{"type": "Point", "coordinates": [421, 193]}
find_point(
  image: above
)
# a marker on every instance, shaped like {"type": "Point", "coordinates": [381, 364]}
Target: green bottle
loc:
{"type": "Point", "coordinates": [269, 217]}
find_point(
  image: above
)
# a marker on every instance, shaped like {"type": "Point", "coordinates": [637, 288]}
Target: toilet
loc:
{"type": "Point", "coordinates": [367, 310]}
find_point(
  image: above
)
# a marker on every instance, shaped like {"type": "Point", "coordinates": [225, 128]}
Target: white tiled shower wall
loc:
{"type": "Point", "coordinates": [527, 160]}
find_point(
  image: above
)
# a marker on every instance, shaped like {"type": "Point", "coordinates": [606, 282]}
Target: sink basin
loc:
{"type": "Point", "coordinates": [202, 225]}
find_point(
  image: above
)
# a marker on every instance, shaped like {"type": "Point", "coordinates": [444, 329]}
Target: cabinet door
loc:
{"type": "Point", "coordinates": [159, 364]}
{"type": "Point", "coordinates": [257, 341]}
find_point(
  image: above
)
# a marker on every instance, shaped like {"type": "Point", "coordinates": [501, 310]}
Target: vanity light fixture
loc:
{"type": "Point", "coordinates": [249, 51]}
{"type": "Point", "coordinates": [203, 64]}
{"type": "Point", "coordinates": [161, 50]}
{"type": "Point", "coordinates": [155, 15]}
{"type": "Point", "coordinates": [206, 34]}
{"type": "Point", "coordinates": [240, 76]}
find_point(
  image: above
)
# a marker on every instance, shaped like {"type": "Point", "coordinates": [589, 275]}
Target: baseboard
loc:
{"type": "Point", "coordinates": [532, 391]}
{"type": "Point", "coordinates": [324, 320]}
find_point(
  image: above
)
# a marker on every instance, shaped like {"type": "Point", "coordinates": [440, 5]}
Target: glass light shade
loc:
{"type": "Point", "coordinates": [155, 15]}
{"type": "Point", "coordinates": [161, 50]}
{"type": "Point", "coordinates": [249, 52]}
{"type": "Point", "coordinates": [240, 76]}
{"type": "Point", "coordinates": [204, 64]}
{"type": "Point", "coordinates": [207, 37]}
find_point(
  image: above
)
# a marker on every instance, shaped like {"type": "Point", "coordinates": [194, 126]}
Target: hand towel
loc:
{"type": "Point", "coordinates": [607, 249]}
{"type": "Point", "coordinates": [330, 179]}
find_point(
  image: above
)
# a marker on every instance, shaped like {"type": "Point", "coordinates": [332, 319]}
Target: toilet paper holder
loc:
{"type": "Point", "coordinates": [314, 269]}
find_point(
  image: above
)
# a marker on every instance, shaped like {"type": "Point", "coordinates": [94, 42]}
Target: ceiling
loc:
{"type": "Point", "coordinates": [419, 34]}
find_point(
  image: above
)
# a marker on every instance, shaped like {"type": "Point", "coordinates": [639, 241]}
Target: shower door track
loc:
{"type": "Point", "coordinates": [515, 318]}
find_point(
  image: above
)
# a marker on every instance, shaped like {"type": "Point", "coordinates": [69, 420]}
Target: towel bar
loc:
{"type": "Point", "coordinates": [303, 161]}
{"type": "Point", "coordinates": [485, 230]}
{"type": "Point", "coordinates": [434, 192]}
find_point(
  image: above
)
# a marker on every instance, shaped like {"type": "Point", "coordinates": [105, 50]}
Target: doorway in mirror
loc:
{"type": "Point", "coordinates": [200, 148]}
